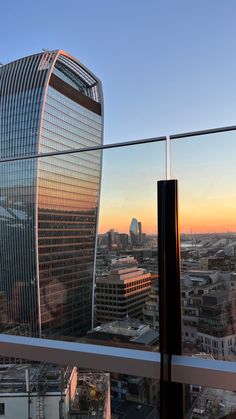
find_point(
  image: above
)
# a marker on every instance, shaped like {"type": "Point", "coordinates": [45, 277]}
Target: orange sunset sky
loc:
{"type": "Point", "coordinates": [206, 171]}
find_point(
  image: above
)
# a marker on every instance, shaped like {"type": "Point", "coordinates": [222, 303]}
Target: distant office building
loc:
{"type": "Point", "coordinates": [110, 239]}
{"type": "Point", "coordinates": [144, 238]}
{"type": "Point", "coordinates": [117, 241]}
{"type": "Point", "coordinates": [209, 312]}
{"type": "Point", "coordinates": [151, 308]}
{"type": "Point", "coordinates": [134, 235]}
{"type": "Point", "coordinates": [48, 207]}
{"type": "Point", "coordinates": [217, 323]}
{"type": "Point", "coordinates": [135, 232]}
{"type": "Point", "coordinates": [140, 237]}
{"type": "Point", "coordinates": [196, 284]}
{"type": "Point", "coordinates": [113, 240]}
{"type": "Point", "coordinates": [124, 241]}
{"type": "Point", "coordinates": [222, 263]}
{"type": "Point", "coordinates": [122, 293]}
{"type": "Point", "coordinates": [123, 262]}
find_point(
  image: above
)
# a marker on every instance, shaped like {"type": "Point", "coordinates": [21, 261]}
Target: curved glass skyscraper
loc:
{"type": "Point", "coordinates": [134, 232]}
{"type": "Point", "coordinates": [48, 206]}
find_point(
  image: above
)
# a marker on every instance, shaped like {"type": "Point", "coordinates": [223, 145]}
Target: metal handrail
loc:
{"type": "Point", "coordinates": [123, 144]}
{"type": "Point", "coordinates": [185, 369]}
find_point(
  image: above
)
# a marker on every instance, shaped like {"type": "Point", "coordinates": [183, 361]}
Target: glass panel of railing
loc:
{"type": "Point", "coordinates": [50, 233]}
{"type": "Point", "coordinates": [48, 230]}
{"type": "Point", "coordinates": [126, 303]}
{"type": "Point", "coordinates": [126, 293]}
{"type": "Point", "coordinates": [205, 169]}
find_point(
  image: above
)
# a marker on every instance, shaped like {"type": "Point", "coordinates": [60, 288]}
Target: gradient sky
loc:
{"type": "Point", "coordinates": [166, 66]}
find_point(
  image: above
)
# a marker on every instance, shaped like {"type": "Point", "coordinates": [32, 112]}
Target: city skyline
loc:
{"type": "Point", "coordinates": [207, 201]}
{"type": "Point", "coordinates": [188, 231]}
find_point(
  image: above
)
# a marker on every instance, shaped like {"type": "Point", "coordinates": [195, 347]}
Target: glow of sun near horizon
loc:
{"type": "Point", "coordinates": [205, 169]}
{"type": "Point", "coordinates": [217, 216]}
{"type": "Point", "coordinates": [120, 221]}
{"type": "Point", "coordinates": [129, 186]}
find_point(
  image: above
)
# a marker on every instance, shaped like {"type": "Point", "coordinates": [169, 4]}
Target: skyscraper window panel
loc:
{"type": "Point", "coordinates": [48, 207]}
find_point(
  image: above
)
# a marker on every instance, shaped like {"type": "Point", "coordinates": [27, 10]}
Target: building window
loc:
{"type": "Point", "coordinates": [2, 408]}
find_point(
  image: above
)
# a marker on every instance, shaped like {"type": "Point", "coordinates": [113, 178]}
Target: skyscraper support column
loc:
{"type": "Point", "coordinates": [171, 394]}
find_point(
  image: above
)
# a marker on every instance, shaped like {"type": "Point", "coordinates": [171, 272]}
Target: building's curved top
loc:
{"type": "Point", "coordinates": [61, 60]}
{"type": "Point", "coordinates": [134, 226]}
{"type": "Point", "coordinates": [24, 85]}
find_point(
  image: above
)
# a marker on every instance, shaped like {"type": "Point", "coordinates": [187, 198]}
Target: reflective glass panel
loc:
{"type": "Point", "coordinates": [205, 169]}
{"type": "Point", "coordinates": [126, 292]}
{"type": "Point", "coordinates": [56, 215]}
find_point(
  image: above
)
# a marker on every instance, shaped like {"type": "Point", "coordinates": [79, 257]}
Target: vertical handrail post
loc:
{"type": "Point", "coordinates": [171, 394]}
{"type": "Point", "coordinates": [168, 158]}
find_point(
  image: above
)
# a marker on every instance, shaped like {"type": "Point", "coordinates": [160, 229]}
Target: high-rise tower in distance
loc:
{"type": "Point", "coordinates": [48, 206]}
{"type": "Point", "coordinates": [140, 237]}
{"type": "Point", "coordinates": [135, 231]}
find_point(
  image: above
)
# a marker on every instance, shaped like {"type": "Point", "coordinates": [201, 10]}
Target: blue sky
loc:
{"type": "Point", "coordinates": [166, 66]}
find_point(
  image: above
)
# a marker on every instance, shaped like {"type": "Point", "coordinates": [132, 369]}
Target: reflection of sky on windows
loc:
{"type": "Point", "coordinates": [4, 213]}
{"type": "Point", "coordinates": [20, 214]}
{"type": "Point", "coordinates": [17, 173]}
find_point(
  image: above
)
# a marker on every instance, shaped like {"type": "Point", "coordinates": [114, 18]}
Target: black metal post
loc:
{"type": "Point", "coordinates": [171, 394]}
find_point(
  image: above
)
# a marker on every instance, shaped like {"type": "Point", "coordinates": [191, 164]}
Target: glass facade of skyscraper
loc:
{"type": "Point", "coordinates": [48, 206]}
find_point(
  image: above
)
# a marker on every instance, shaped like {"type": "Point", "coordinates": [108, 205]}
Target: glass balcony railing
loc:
{"type": "Point", "coordinates": [69, 260]}
{"type": "Point", "coordinates": [79, 267]}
